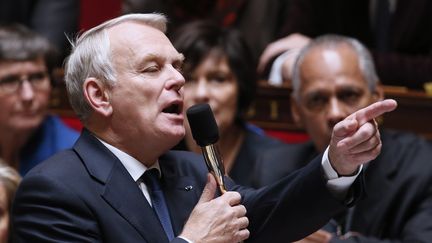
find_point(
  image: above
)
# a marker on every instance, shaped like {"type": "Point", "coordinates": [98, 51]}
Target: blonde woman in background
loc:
{"type": "Point", "coordinates": [9, 180]}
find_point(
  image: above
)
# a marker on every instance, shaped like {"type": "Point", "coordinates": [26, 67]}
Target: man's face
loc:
{"type": "Point", "coordinates": [147, 99]}
{"type": "Point", "coordinates": [23, 109]}
{"type": "Point", "coordinates": [213, 82]}
{"type": "Point", "coordinates": [332, 88]}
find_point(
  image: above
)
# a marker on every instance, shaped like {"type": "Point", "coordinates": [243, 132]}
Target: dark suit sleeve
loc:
{"type": "Point", "coordinates": [292, 208]}
{"type": "Point", "coordinates": [45, 210]}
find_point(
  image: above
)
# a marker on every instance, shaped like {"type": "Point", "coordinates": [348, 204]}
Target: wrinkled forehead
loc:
{"type": "Point", "coordinates": [331, 65]}
{"type": "Point", "coordinates": [138, 40]}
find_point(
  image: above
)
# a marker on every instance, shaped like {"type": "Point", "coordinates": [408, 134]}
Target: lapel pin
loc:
{"type": "Point", "coordinates": [188, 188]}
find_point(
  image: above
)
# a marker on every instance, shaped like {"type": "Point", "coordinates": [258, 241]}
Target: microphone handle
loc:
{"type": "Point", "coordinates": [215, 165]}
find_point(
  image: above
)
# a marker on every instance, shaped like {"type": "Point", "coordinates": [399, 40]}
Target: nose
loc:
{"type": "Point", "coordinates": [335, 112]}
{"type": "Point", "coordinates": [201, 92]}
{"type": "Point", "coordinates": [176, 81]}
{"type": "Point", "coordinates": [26, 91]}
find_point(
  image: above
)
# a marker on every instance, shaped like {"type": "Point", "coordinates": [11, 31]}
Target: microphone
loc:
{"type": "Point", "coordinates": [206, 133]}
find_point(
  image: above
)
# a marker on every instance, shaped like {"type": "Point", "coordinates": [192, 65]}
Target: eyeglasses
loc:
{"type": "Point", "coordinates": [11, 84]}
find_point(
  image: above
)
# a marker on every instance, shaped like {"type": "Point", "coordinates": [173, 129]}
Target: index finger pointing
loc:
{"type": "Point", "coordinates": [372, 111]}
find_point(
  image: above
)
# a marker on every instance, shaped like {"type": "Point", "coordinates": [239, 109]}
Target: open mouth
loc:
{"type": "Point", "coordinates": [173, 109]}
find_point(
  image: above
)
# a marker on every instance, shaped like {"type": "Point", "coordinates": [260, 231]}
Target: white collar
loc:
{"type": "Point", "coordinates": [135, 168]}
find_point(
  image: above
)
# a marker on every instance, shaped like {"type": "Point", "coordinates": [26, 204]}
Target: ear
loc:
{"type": "Point", "coordinates": [378, 94]}
{"type": "Point", "coordinates": [295, 112]}
{"type": "Point", "coordinates": [98, 96]}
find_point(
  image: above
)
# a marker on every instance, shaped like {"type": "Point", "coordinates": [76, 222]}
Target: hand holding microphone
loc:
{"type": "Point", "coordinates": [206, 134]}
{"type": "Point", "coordinates": [222, 219]}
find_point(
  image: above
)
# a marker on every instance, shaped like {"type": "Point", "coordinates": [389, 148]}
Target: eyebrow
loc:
{"type": "Point", "coordinates": [153, 57]}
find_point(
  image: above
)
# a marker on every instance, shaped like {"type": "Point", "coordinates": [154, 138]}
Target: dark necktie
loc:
{"type": "Point", "coordinates": [151, 179]}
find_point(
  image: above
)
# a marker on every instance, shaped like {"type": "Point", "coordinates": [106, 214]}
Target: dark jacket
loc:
{"type": "Point", "coordinates": [86, 195]}
{"type": "Point", "coordinates": [398, 203]}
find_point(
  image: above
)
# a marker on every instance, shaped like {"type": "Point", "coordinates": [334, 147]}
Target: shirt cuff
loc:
{"type": "Point", "coordinates": [186, 239]}
{"type": "Point", "coordinates": [338, 185]}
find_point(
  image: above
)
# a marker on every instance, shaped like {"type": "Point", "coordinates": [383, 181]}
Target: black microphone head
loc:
{"type": "Point", "coordinates": [203, 124]}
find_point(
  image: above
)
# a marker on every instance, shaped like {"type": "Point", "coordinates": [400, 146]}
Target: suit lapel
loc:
{"type": "Point", "coordinates": [120, 190]}
{"type": "Point", "coordinates": [180, 199]}
{"type": "Point", "coordinates": [124, 196]}
{"type": "Point", "coordinates": [181, 193]}
{"type": "Point", "coordinates": [379, 180]}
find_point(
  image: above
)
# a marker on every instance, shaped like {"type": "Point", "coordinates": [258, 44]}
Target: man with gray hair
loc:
{"type": "Point", "coordinates": [333, 77]}
{"type": "Point", "coordinates": [120, 183]}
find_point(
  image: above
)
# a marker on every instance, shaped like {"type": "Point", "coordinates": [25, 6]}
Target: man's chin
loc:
{"type": "Point", "coordinates": [172, 131]}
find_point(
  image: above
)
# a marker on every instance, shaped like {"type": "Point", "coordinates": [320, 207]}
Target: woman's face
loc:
{"type": "Point", "coordinates": [4, 215]}
{"type": "Point", "coordinates": [213, 82]}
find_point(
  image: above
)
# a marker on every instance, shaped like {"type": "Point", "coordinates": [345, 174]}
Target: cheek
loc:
{"type": "Point", "coordinates": [6, 108]}
{"type": "Point", "coordinates": [226, 105]}
{"type": "Point", "coordinates": [188, 98]}
{"type": "Point", "coordinates": [226, 97]}
{"type": "Point", "coordinates": [316, 124]}
{"type": "Point", "coordinates": [43, 98]}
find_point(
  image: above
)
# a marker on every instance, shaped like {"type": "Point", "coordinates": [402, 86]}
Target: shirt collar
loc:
{"type": "Point", "coordinates": [135, 168]}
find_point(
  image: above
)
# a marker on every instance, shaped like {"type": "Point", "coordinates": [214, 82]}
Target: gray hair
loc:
{"type": "Point", "coordinates": [18, 43]}
{"type": "Point", "coordinates": [366, 63]}
{"type": "Point", "coordinates": [91, 57]}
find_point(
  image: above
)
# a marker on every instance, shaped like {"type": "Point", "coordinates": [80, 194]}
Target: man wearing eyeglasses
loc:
{"type": "Point", "coordinates": [28, 135]}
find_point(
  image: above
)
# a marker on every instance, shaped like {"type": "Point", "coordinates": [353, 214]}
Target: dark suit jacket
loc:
{"type": "Point", "coordinates": [398, 204]}
{"type": "Point", "coordinates": [408, 61]}
{"type": "Point", "coordinates": [253, 146]}
{"type": "Point", "coordinates": [86, 195]}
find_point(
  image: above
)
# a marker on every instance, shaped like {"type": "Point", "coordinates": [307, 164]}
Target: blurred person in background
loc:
{"type": "Point", "coordinates": [397, 32]}
{"type": "Point", "coordinates": [335, 76]}
{"type": "Point", "coordinates": [219, 70]}
{"type": "Point", "coordinates": [248, 17]}
{"type": "Point", "coordinates": [52, 19]}
{"type": "Point", "coordinates": [9, 180]}
{"type": "Point", "coordinates": [28, 134]}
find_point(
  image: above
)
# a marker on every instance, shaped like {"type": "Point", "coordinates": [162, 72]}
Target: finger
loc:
{"type": "Point", "coordinates": [265, 58]}
{"type": "Point", "coordinates": [271, 51]}
{"type": "Point", "coordinates": [366, 156]}
{"type": "Point", "coordinates": [318, 236]}
{"type": "Point", "coordinates": [345, 128]}
{"type": "Point", "coordinates": [240, 210]}
{"type": "Point", "coordinates": [372, 111]}
{"type": "Point", "coordinates": [209, 190]}
{"type": "Point", "coordinates": [305, 240]}
{"type": "Point", "coordinates": [366, 145]}
{"type": "Point", "coordinates": [242, 223]}
{"type": "Point", "coordinates": [322, 236]}
{"type": "Point", "coordinates": [233, 198]}
{"type": "Point", "coordinates": [363, 134]}
{"type": "Point", "coordinates": [242, 235]}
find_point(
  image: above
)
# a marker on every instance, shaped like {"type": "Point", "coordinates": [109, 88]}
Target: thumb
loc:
{"type": "Point", "coordinates": [209, 189]}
